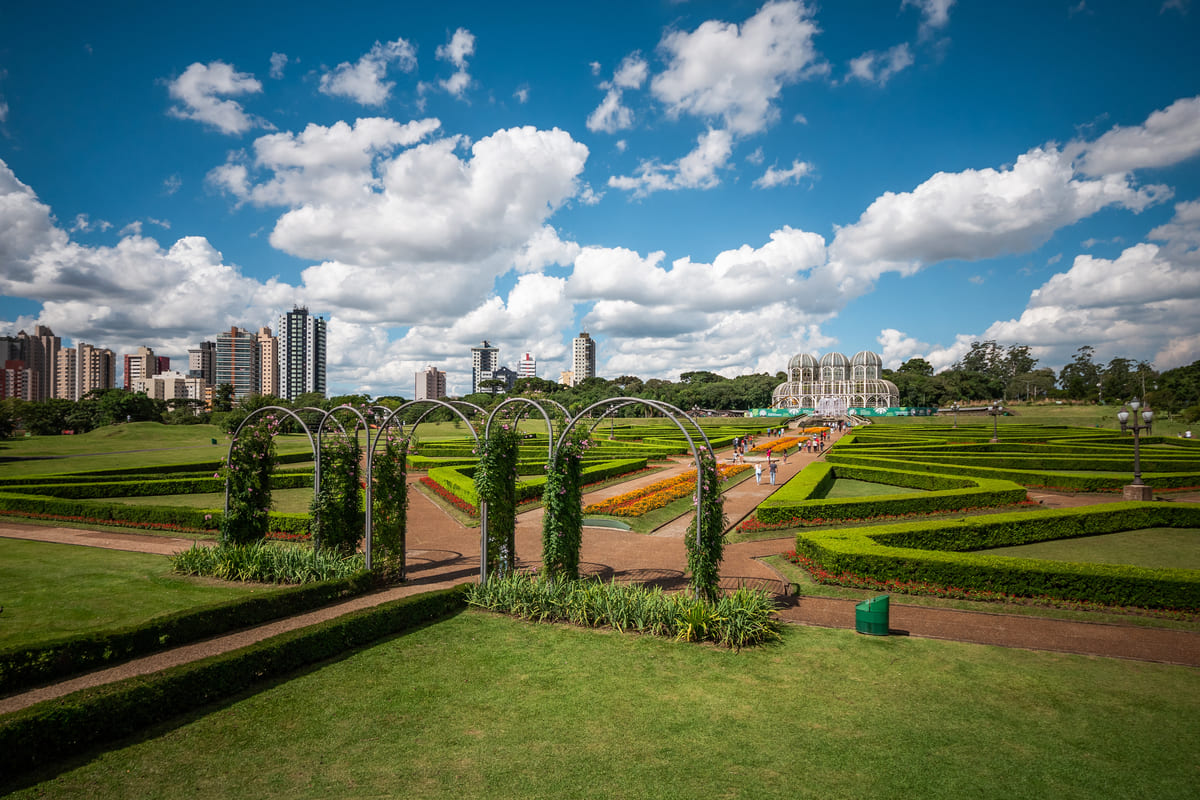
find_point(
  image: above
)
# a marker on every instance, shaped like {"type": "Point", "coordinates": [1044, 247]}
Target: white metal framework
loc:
{"type": "Point", "coordinates": [835, 382]}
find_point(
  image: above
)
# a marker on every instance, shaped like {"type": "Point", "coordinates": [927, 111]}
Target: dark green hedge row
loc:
{"type": "Point", "coordinates": [1075, 482]}
{"type": "Point", "coordinates": [161, 469]}
{"type": "Point", "coordinates": [69, 725]}
{"type": "Point", "coordinates": [148, 488]}
{"type": "Point", "coordinates": [157, 517]}
{"type": "Point", "coordinates": [22, 667]}
{"type": "Point", "coordinates": [1041, 463]}
{"type": "Point", "coordinates": [937, 552]}
{"type": "Point", "coordinates": [939, 493]}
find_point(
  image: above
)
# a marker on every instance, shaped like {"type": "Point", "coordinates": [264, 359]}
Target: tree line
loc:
{"type": "Point", "coordinates": [987, 372]}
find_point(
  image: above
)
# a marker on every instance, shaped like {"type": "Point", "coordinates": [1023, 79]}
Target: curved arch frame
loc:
{"type": "Point", "coordinates": [311, 443]}
{"type": "Point", "coordinates": [329, 415]}
{"type": "Point", "coordinates": [673, 413]}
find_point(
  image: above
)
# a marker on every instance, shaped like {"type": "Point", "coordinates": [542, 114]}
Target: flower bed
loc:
{"type": "Point", "coordinates": [778, 445]}
{"type": "Point", "coordinates": [449, 497]}
{"type": "Point", "coordinates": [658, 494]}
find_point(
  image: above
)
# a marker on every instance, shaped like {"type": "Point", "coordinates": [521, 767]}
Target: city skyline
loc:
{"type": "Point", "coordinates": [704, 185]}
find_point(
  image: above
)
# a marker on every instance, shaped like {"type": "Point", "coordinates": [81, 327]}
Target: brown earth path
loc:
{"type": "Point", "coordinates": [442, 552]}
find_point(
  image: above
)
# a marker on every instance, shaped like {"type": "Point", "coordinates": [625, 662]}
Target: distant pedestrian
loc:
{"type": "Point", "coordinates": [774, 465]}
{"type": "Point", "coordinates": [785, 456]}
{"type": "Point", "coordinates": [758, 473]}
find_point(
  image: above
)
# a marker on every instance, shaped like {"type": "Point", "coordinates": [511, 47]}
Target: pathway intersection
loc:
{"type": "Point", "coordinates": [443, 552]}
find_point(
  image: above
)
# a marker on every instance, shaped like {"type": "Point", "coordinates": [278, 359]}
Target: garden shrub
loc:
{"type": "Point", "coordinates": [63, 727]}
{"type": "Point", "coordinates": [741, 619]}
{"type": "Point", "coordinates": [267, 562]}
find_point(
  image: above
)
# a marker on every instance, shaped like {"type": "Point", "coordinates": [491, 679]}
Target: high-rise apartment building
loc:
{"type": "Point", "coordinates": [237, 362]}
{"type": "Point", "coordinates": [301, 353]}
{"type": "Point", "coordinates": [142, 364]}
{"type": "Point", "coordinates": [484, 359]}
{"type": "Point", "coordinates": [527, 367]}
{"type": "Point", "coordinates": [171, 386]}
{"type": "Point", "coordinates": [583, 357]}
{"type": "Point", "coordinates": [431, 384]}
{"type": "Point", "coordinates": [16, 379]}
{"type": "Point", "coordinates": [82, 369]}
{"type": "Point", "coordinates": [162, 364]}
{"type": "Point", "coordinates": [268, 357]}
{"type": "Point", "coordinates": [202, 362]}
{"type": "Point", "coordinates": [40, 354]}
{"type": "Point", "coordinates": [566, 378]}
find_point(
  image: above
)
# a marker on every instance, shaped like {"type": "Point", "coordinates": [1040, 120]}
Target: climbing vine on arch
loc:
{"type": "Point", "coordinates": [562, 522]}
{"type": "Point", "coordinates": [496, 485]}
{"type": "Point", "coordinates": [389, 500]}
{"type": "Point", "coordinates": [704, 557]}
{"type": "Point", "coordinates": [247, 472]}
{"type": "Point", "coordinates": [337, 518]}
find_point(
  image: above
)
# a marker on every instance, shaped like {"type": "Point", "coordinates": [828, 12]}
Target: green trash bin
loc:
{"type": "Point", "coordinates": [871, 616]}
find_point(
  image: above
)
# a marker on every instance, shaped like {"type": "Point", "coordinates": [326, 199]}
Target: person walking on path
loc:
{"type": "Point", "coordinates": [758, 472]}
{"type": "Point", "coordinates": [773, 466]}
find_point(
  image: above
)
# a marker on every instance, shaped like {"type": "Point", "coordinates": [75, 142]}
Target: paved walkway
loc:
{"type": "Point", "coordinates": [443, 553]}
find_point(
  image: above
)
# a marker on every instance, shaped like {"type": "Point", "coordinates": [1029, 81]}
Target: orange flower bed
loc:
{"type": "Point", "coordinates": [816, 430]}
{"type": "Point", "coordinates": [780, 444]}
{"type": "Point", "coordinates": [658, 494]}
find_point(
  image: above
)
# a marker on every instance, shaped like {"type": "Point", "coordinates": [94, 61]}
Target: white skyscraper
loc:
{"type": "Point", "coordinates": [301, 353]}
{"type": "Point", "coordinates": [484, 359]}
{"type": "Point", "coordinates": [583, 357]}
{"type": "Point", "coordinates": [527, 367]}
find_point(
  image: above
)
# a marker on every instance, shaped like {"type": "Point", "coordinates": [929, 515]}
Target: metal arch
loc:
{"type": "Point", "coordinates": [670, 411]}
{"type": "Point", "coordinates": [549, 428]}
{"type": "Point", "coordinates": [613, 410]}
{"type": "Point", "coordinates": [316, 449]}
{"type": "Point", "coordinates": [367, 483]}
{"type": "Point", "coordinates": [388, 420]}
{"type": "Point", "coordinates": [242, 424]}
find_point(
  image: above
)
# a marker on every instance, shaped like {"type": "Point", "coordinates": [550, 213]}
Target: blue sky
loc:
{"type": "Point", "coordinates": [700, 185]}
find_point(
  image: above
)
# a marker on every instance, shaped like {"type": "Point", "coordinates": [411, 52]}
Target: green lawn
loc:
{"type": "Point", "coordinates": [287, 501]}
{"type": "Point", "coordinates": [117, 446]}
{"type": "Point", "coordinates": [1083, 416]}
{"type": "Point", "coordinates": [51, 590]}
{"type": "Point", "coordinates": [1158, 548]}
{"type": "Point", "coordinates": [485, 706]}
{"type": "Point", "coordinates": [846, 487]}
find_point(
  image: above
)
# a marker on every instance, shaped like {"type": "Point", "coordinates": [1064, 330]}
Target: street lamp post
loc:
{"type": "Point", "coordinates": [996, 410]}
{"type": "Point", "coordinates": [1136, 490]}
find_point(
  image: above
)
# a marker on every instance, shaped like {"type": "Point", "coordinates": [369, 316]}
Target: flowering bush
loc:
{"type": "Point", "coordinates": [704, 552]}
{"type": "Point", "coordinates": [389, 498]}
{"type": "Point", "coordinates": [778, 445]}
{"type": "Point", "coordinates": [658, 494]}
{"type": "Point", "coordinates": [496, 485]}
{"type": "Point", "coordinates": [247, 475]}
{"type": "Point", "coordinates": [562, 522]}
{"type": "Point", "coordinates": [337, 523]}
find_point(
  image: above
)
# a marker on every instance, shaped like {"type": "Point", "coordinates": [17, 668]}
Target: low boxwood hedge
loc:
{"type": "Point", "coordinates": [803, 496]}
{"type": "Point", "coordinates": [460, 482]}
{"type": "Point", "coordinates": [69, 725]}
{"type": "Point", "coordinates": [948, 553]}
{"type": "Point", "coordinates": [149, 488]}
{"type": "Point", "coordinates": [22, 667]}
{"type": "Point", "coordinates": [131, 516]}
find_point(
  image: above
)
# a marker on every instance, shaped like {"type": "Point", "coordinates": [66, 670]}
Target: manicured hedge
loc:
{"type": "Point", "coordinates": [120, 514]}
{"type": "Point", "coordinates": [1066, 481]}
{"type": "Point", "coordinates": [460, 482]}
{"type": "Point", "coordinates": [948, 553]}
{"type": "Point", "coordinates": [69, 725]}
{"type": "Point", "coordinates": [150, 488]}
{"type": "Point", "coordinates": [803, 496]}
{"type": "Point", "coordinates": [22, 667]}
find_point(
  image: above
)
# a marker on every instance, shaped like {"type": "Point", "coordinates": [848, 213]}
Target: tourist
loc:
{"type": "Point", "coordinates": [758, 472]}
{"type": "Point", "coordinates": [774, 465]}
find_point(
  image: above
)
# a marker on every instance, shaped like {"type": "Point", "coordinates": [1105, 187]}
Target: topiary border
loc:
{"type": "Point", "coordinates": [946, 553]}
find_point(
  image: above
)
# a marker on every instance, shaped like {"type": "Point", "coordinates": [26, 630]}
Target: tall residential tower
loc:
{"type": "Point", "coordinates": [301, 353]}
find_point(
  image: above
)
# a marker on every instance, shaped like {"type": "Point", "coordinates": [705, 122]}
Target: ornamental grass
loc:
{"type": "Point", "coordinates": [266, 562]}
{"type": "Point", "coordinates": [743, 618]}
{"type": "Point", "coordinates": [658, 494]}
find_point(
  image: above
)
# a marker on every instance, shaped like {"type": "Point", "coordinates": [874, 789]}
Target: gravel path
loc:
{"type": "Point", "coordinates": [444, 553]}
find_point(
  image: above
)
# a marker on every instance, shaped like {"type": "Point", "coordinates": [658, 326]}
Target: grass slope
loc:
{"type": "Point", "coordinates": [485, 706]}
{"type": "Point", "coordinates": [1158, 548]}
{"type": "Point", "coordinates": [53, 590]}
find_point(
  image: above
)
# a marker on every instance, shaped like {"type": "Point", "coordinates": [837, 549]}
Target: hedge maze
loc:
{"type": "Point", "coordinates": [959, 469]}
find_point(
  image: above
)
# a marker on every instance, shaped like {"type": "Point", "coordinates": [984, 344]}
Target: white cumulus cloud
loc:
{"type": "Point", "coordinates": [460, 47]}
{"type": "Point", "coordinates": [200, 90]}
{"type": "Point", "coordinates": [781, 177]}
{"type": "Point", "coordinates": [878, 68]}
{"type": "Point", "coordinates": [364, 80]}
{"type": "Point", "coordinates": [696, 170]}
{"type": "Point", "coordinates": [1167, 137]}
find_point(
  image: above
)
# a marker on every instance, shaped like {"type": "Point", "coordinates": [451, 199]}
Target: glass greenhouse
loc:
{"type": "Point", "coordinates": [835, 384]}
